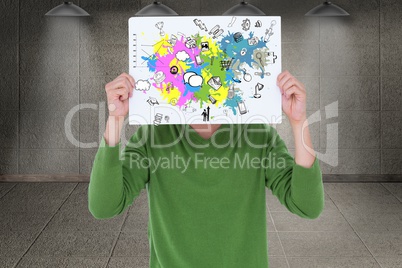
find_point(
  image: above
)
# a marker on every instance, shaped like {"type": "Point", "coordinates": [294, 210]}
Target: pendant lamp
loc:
{"type": "Point", "coordinates": [327, 9]}
{"type": "Point", "coordinates": [244, 9]}
{"type": "Point", "coordinates": [156, 9]}
{"type": "Point", "coordinates": [67, 9]}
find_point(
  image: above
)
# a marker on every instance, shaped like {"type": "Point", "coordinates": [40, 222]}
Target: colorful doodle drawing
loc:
{"type": "Point", "coordinates": [180, 66]}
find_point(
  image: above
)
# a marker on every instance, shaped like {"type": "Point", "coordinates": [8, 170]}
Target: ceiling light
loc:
{"type": "Point", "coordinates": [244, 9]}
{"type": "Point", "coordinates": [327, 9]}
{"type": "Point", "coordinates": [67, 9]}
{"type": "Point", "coordinates": [156, 9]}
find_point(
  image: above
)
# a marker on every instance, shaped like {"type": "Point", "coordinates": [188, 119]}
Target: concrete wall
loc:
{"type": "Point", "coordinates": [50, 65]}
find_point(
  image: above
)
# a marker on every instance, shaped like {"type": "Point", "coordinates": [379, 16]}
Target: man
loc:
{"type": "Point", "coordinates": [206, 182]}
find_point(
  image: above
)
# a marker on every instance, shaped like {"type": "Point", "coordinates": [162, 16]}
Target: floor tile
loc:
{"type": "Point", "coordinates": [8, 262]}
{"type": "Point", "coordinates": [129, 262]}
{"type": "Point", "coordinates": [383, 243]}
{"type": "Point", "coordinates": [304, 244]}
{"type": "Point", "coordinates": [33, 196]}
{"type": "Point", "coordinates": [132, 244]}
{"type": "Point", "coordinates": [395, 189]}
{"type": "Point", "coordinates": [73, 244]}
{"type": "Point", "coordinates": [51, 262]}
{"type": "Point", "coordinates": [277, 262]}
{"type": "Point", "coordinates": [390, 262]}
{"type": "Point", "coordinates": [14, 244]}
{"type": "Point", "coordinates": [333, 262]}
{"type": "Point", "coordinates": [327, 221]}
{"type": "Point", "coordinates": [274, 245]}
{"type": "Point", "coordinates": [374, 221]}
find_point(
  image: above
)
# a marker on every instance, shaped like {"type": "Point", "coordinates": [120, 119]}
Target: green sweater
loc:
{"type": "Point", "coordinates": [207, 202]}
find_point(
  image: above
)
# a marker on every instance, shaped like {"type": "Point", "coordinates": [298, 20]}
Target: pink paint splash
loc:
{"type": "Point", "coordinates": [163, 64]}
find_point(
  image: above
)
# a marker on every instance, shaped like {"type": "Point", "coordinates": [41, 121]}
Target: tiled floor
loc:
{"type": "Point", "coordinates": [49, 225]}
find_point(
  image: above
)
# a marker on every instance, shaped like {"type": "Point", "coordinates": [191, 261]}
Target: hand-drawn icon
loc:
{"type": "Point", "coordinates": [190, 42]}
{"type": "Point", "coordinates": [225, 112]}
{"type": "Point", "coordinates": [259, 56]}
{"type": "Point", "coordinates": [236, 80]}
{"type": "Point", "coordinates": [212, 60]}
{"type": "Point", "coordinates": [200, 24]}
{"type": "Point", "coordinates": [158, 119]}
{"type": "Point", "coordinates": [204, 46]}
{"type": "Point", "coordinates": [243, 51]}
{"type": "Point", "coordinates": [260, 73]}
{"type": "Point", "coordinates": [246, 76]}
{"type": "Point", "coordinates": [272, 57]}
{"type": "Point", "coordinates": [172, 40]}
{"type": "Point", "coordinates": [205, 114]}
{"type": "Point", "coordinates": [173, 101]}
{"type": "Point", "coordinates": [169, 86]}
{"type": "Point", "coordinates": [225, 64]}
{"type": "Point", "coordinates": [159, 77]}
{"type": "Point", "coordinates": [238, 37]}
{"type": "Point", "coordinates": [167, 119]}
{"type": "Point", "coordinates": [258, 24]}
{"type": "Point", "coordinates": [159, 26]}
{"type": "Point", "coordinates": [242, 107]}
{"type": "Point", "coordinates": [258, 87]}
{"type": "Point", "coordinates": [182, 55]}
{"type": "Point", "coordinates": [215, 82]}
{"type": "Point", "coordinates": [269, 32]}
{"type": "Point", "coordinates": [152, 101]}
{"type": "Point", "coordinates": [213, 101]}
{"type": "Point", "coordinates": [142, 85]}
{"type": "Point", "coordinates": [253, 41]}
{"type": "Point", "coordinates": [245, 25]}
{"type": "Point", "coordinates": [232, 22]}
{"type": "Point", "coordinates": [216, 31]}
{"type": "Point", "coordinates": [192, 79]}
{"type": "Point", "coordinates": [198, 60]}
{"type": "Point", "coordinates": [174, 70]}
{"type": "Point", "coordinates": [231, 92]}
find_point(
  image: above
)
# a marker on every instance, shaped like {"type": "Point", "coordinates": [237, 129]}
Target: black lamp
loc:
{"type": "Point", "coordinates": [156, 9]}
{"type": "Point", "coordinates": [327, 9]}
{"type": "Point", "coordinates": [244, 9]}
{"type": "Point", "coordinates": [67, 9]}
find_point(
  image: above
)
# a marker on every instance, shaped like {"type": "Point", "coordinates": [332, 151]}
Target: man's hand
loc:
{"type": "Point", "coordinates": [293, 97]}
{"type": "Point", "coordinates": [118, 91]}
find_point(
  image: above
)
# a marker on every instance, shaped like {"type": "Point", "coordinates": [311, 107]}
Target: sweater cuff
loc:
{"type": "Point", "coordinates": [307, 177]}
{"type": "Point", "coordinates": [108, 154]}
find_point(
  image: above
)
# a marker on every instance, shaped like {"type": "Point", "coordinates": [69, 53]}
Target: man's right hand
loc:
{"type": "Point", "coordinates": [118, 93]}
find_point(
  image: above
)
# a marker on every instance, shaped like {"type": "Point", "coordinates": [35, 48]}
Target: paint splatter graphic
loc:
{"type": "Point", "coordinates": [202, 70]}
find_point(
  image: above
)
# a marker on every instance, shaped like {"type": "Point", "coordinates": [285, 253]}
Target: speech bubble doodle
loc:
{"type": "Point", "coordinates": [182, 55]}
{"type": "Point", "coordinates": [192, 79]}
{"type": "Point", "coordinates": [142, 85]}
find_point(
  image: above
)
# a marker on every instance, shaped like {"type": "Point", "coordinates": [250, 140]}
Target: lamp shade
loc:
{"type": "Point", "coordinates": [67, 9]}
{"type": "Point", "coordinates": [156, 9]}
{"type": "Point", "coordinates": [327, 9]}
{"type": "Point", "coordinates": [244, 9]}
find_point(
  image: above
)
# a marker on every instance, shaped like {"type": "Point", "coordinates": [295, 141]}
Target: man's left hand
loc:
{"type": "Point", "coordinates": [293, 97]}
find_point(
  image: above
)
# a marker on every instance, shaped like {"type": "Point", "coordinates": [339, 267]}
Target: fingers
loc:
{"type": "Point", "coordinates": [120, 93]}
{"type": "Point", "coordinates": [291, 90]}
{"type": "Point", "coordinates": [286, 80]}
{"type": "Point", "coordinates": [129, 77]}
{"type": "Point", "coordinates": [120, 82]}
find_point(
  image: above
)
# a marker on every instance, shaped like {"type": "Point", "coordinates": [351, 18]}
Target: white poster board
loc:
{"type": "Point", "coordinates": [205, 69]}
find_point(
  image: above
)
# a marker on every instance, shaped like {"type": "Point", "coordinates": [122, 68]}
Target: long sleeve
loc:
{"type": "Point", "coordinates": [299, 189]}
{"type": "Point", "coordinates": [117, 179]}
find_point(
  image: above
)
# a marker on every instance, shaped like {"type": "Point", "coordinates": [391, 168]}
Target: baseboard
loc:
{"type": "Point", "coordinates": [85, 178]}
